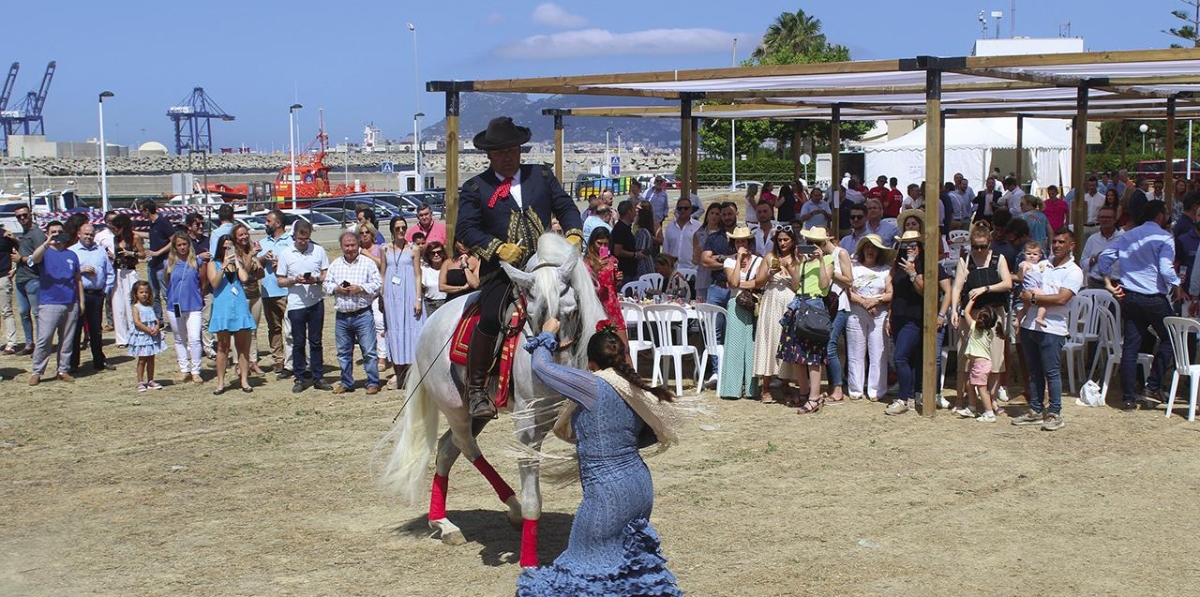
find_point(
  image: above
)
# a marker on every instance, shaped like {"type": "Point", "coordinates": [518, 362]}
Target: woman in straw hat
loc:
{"type": "Point", "coordinates": [742, 274]}
{"type": "Point", "coordinates": [814, 274]}
{"type": "Point", "coordinates": [905, 319]}
{"type": "Point", "coordinates": [783, 275]}
{"type": "Point", "coordinates": [870, 294]}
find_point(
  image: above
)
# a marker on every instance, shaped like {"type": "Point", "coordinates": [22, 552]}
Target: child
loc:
{"type": "Point", "coordinates": [982, 326]}
{"type": "Point", "coordinates": [145, 339]}
{"type": "Point", "coordinates": [1030, 275]}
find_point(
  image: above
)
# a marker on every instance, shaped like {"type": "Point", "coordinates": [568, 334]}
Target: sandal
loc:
{"type": "Point", "coordinates": [153, 385]}
{"type": "Point", "coordinates": [831, 399]}
{"type": "Point", "coordinates": [141, 387]}
{"type": "Point", "coordinates": [808, 407]}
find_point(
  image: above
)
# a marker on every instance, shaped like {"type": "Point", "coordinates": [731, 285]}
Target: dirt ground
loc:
{"type": "Point", "coordinates": [104, 491]}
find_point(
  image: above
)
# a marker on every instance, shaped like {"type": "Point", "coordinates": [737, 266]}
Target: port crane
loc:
{"type": "Point", "coordinates": [192, 118]}
{"type": "Point", "coordinates": [25, 117]}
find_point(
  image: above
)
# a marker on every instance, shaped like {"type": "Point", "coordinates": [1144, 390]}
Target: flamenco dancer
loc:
{"type": "Point", "coordinates": [613, 549]}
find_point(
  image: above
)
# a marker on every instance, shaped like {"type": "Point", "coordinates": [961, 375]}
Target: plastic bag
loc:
{"type": "Point", "coordinates": [1090, 395]}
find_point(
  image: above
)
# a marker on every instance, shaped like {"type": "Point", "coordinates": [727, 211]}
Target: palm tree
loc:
{"type": "Point", "coordinates": [794, 33]}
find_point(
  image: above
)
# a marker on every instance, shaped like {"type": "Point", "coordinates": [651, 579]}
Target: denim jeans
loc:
{"type": "Point", "coordinates": [907, 334]}
{"type": "Point", "coordinates": [27, 306]}
{"type": "Point", "coordinates": [837, 332]}
{"type": "Point", "coordinates": [1139, 313]}
{"type": "Point", "coordinates": [1042, 352]}
{"type": "Point", "coordinates": [158, 287]}
{"type": "Point", "coordinates": [720, 297]}
{"type": "Point", "coordinates": [356, 329]}
{"type": "Point", "coordinates": [307, 323]}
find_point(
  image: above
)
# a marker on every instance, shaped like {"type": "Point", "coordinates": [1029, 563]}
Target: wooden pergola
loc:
{"type": "Point", "coordinates": [1090, 86]}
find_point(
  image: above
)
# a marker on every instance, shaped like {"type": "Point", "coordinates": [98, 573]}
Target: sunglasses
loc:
{"type": "Point", "coordinates": [783, 228]}
{"type": "Point", "coordinates": [22, 216]}
{"type": "Point", "coordinates": [909, 245]}
{"type": "Point", "coordinates": [852, 218]}
{"type": "Point", "coordinates": [437, 254]}
{"type": "Point", "coordinates": [979, 247]}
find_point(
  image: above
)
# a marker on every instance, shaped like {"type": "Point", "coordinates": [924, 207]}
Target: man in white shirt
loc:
{"type": "Point", "coordinates": [766, 225]}
{"type": "Point", "coordinates": [1094, 198]}
{"type": "Point", "coordinates": [1012, 196]}
{"type": "Point", "coordinates": [1096, 244]}
{"type": "Point", "coordinates": [107, 241]}
{"type": "Point", "coordinates": [301, 270]}
{"type": "Point", "coordinates": [354, 282]}
{"type": "Point", "coordinates": [961, 198]}
{"type": "Point", "coordinates": [815, 212]}
{"type": "Point", "coordinates": [679, 235]}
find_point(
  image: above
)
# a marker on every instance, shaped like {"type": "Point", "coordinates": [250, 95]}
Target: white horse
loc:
{"type": "Point", "coordinates": [553, 283]}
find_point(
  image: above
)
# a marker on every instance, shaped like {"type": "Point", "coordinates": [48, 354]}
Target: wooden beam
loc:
{"type": "Point", "coordinates": [933, 184]}
{"type": "Point", "coordinates": [835, 167]}
{"type": "Point", "coordinates": [685, 145]}
{"type": "Point", "coordinates": [558, 146]}
{"type": "Point", "coordinates": [1079, 168]}
{"type": "Point", "coordinates": [802, 92]}
{"type": "Point", "coordinates": [1119, 57]}
{"type": "Point", "coordinates": [1169, 174]}
{"type": "Point", "coordinates": [452, 111]}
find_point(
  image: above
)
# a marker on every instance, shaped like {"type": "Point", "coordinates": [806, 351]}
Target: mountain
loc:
{"type": "Point", "coordinates": [479, 108]}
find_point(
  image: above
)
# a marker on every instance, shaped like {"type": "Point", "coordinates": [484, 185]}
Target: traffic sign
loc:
{"type": "Point", "coordinates": [614, 165]}
{"type": "Point", "coordinates": [805, 159]}
{"type": "Point", "coordinates": [387, 167]}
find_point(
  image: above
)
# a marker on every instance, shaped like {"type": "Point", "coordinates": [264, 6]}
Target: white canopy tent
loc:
{"type": "Point", "coordinates": [974, 146]}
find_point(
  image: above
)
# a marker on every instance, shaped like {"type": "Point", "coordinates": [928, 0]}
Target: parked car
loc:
{"type": "Point", "coordinates": [397, 202]}
{"type": "Point", "coordinates": [317, 219]}
{"type": "Point", "coordinates": [254, 223]}
{"type": "Point", "coordinates": [669, 181]}
{"type": "Point", "coordinates": [1156, 169]}
{"type": "Point", "coordinates": [436, 200]}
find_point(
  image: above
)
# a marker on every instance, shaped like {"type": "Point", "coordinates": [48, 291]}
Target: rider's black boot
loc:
{"type": "Point", "coordinates": [479, 360]}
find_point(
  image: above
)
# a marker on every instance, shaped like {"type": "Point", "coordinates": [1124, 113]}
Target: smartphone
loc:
{"type": "Point", "coordinates": [806, 249]}
{"type": "Point", "coordinates": [307, 275]}
{"type": "Point", "coordinates": [178, 311]}
{"type": "Point", "coordinates": [345, 284]}
{"type": "Point", "coordinates": [62, 238]}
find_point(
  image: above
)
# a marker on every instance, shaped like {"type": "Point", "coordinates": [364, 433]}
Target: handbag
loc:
{"type": "Point", "coordinates": [810, 322]}
{"type": "Point", "coordinates": [747, 299]}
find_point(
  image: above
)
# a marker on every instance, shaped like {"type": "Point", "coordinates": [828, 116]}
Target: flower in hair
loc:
{"type": "Point", "coordinates": [606, 325]}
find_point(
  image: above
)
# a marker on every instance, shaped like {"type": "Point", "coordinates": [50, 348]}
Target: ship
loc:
{"type": "Point", "coordinates": [311, 176]}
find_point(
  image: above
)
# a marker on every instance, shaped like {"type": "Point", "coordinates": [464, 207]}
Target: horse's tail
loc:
{"type": "Point", "coordinates": [412, 441]}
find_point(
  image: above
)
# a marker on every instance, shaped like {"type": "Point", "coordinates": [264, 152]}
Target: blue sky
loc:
{"type": "Point", "coordinates": [356, 58]}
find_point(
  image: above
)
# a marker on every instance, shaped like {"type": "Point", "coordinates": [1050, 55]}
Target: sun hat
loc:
{"type": "Point", "coordinates": [909, 236]}
{"type": "Point", "coordinates": [911, 213]}
{"type": "Point", "coordinates": [740, 233]}
{"type": "Point", "coordinates": [885, 252]}
{"type": "Point", "coordinates": [817, 234]}
{"type": "Point", "coordinates": [501, 133]}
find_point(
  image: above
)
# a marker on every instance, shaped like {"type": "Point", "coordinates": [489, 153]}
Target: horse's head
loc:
{"type": "Point", "coordinates": [554, 284]}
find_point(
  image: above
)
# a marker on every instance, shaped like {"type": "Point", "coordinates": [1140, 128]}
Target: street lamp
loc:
{"type": "Point", "coordinates": [347, 156]}
{"type": "Point", "coordinates": [103, 168]}
{"type": "Point", "coordinates": [733, 136]}
{"type": "Point", "coordinates": [604, 168]}
{"type": "Point", "coordinates": [1143, 129]}
{"type": "Point", "coordinates": [292, 147]}
{"type": "Point", "coordinates": [420, 186]}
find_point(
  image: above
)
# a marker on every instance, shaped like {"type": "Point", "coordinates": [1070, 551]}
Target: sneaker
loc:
{"type": "Point", "coordinates": [1151, 398]}
{"type": "Point", "coordinates": [372, 390]}
{"type": "Point", "coordinates": [141, 387]}
{"type": "Point", "coordinates": [321, 384]}
{"type": "Point", "coordinates": [66, 377]}
{"type": "Point", "coordinates": [339, 389]}
{"type": "Point", "coordinates": [1002, 394]}
{"type": "Point", "coordinates": [154, 385]}
{"type": "Point", "coordinates": [1129, 407]}
{"type": "Point", "coordinates": [1029, 418]}
{"type": "Point", "coordinates": [1053, 422]}
{"type": "Point", "coordinates": [283, 374]}
{"type": "Point", "coordinates": [966, 413]}
{"type": "Point", "coordinates": [9, 350]}
{"type": "Point", "coordinates": [298, 386]}
{"type": "Point", "coordinates": [987, 417]}
{"type": "Point", "coordinates": [897, 407]}
{"type": "Point", "coordinates": [711, 384]}
{"type": "Point", "coordinates": [942, 402]}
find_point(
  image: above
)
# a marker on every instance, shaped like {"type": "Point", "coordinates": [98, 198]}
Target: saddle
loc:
{"type": "Point", "coordinates": [460, 343]}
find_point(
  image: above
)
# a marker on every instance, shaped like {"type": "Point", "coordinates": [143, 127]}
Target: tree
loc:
{"type": "Point", "coordinates": [1190, 31]}
{"type": "Point", "coordinates": [793, 38]}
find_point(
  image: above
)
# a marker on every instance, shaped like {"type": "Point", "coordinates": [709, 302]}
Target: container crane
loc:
{"type": "Point", "coordinates": [6, 93]}
{"type": "Point", "coordinates": [192, 118]}
{"type": "Point", "coordinates": [27, 115]}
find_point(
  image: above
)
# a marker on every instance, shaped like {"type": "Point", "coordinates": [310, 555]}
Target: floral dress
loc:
{"type": "Point", "coordinates": [643, 241]}
{"type": "Point", "coordinates": [606, 290]}
{"type": "Point", "coordinates": [142, 344]}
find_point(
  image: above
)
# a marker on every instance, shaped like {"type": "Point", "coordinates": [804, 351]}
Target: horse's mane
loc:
{"type": "Point", "coordinates": [553, 248]}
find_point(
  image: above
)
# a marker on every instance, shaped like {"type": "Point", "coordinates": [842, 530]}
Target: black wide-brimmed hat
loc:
{"type": "Point", "coordinates": [501, 133]}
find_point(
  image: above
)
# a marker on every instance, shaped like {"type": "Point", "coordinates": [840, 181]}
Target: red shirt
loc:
{"type": "Point", "coordinates": [768, 197]}
{"type": "Point", "coordinates": [891, 206]}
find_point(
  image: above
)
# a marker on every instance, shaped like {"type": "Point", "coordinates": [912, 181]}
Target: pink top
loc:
{"type": "Point", "coordinates": [436, 232]}
{"type": "Point", "coordinates": [1056, 213]}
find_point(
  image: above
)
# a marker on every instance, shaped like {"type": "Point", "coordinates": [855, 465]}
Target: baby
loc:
{"type": "Point", "coordinates": [1030, 275]}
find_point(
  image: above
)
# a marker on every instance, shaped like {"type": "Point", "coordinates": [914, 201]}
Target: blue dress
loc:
{"type": "Point", "coordinates": [230, 310]}
{"type": "Point", "coordinates": [142, 344]}
{"type": "Point", "coordinates": [613, 549]}
{"type": "Point", "coordinates": [399, 293]}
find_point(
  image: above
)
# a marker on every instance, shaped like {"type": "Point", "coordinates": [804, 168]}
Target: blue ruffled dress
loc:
{"type": "Point", "coordinates": [613, 548]}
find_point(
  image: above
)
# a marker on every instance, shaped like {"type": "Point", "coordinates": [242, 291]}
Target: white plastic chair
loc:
{"type": "Point", "coordinates": [664, 318]}
{"type": "Point", "coordinates": [1179, 329]}
{"type": "Point", "coordinates": [959, 237]}
{"type": "Point", "coordinates": [635, 289]}
{"type": "Point", "coordinates": [689, 273]}
{"type": "Point", "coordinates": [655, 281]}
{"type": "Point", "coordinates": [709, 320]}
{"type": "Point", "coordinates": [1108, 347]}
{"type": "Point", "coordinates": [1078, 311]}
{"type": "Point", "coordinates": [634, 318]}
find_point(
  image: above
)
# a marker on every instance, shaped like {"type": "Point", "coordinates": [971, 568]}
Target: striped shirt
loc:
{"type": "Point", "coordinates": [363, 273]}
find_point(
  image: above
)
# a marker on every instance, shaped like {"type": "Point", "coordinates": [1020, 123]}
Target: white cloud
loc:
{"type": "Point", "coordinates": [493, 19]}
{"type": "Point", "coordinates": [601, 42]}
{"type": "Point", "coordinates": [556, 16]}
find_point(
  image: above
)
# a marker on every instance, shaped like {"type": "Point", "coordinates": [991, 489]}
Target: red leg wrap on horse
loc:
{"type": "Point", "coordinates": [529, 544]}
{"type": "Point", "coordinates": [437, 497]}
{"type": "Point", "coordinates": [503, 491]}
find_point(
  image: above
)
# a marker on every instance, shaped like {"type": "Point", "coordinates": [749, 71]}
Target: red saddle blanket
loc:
{"type": "Point", "coordinates": [461, 341]}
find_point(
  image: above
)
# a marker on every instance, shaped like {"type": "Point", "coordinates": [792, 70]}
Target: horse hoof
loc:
{"type": "Point", "coordinates": [453, 538]}
{"type": "Point", "coordinates": [514, 513]}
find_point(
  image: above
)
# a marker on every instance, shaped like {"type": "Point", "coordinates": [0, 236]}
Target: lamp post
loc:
{"type": "Point", "coordinates": [420, 185]}
{"type": "Point", "coordinates": [292, 147]}
{"type": "Point", "coordinates": [346, 146]}
{"type": "Point", "coordinates": [1143, 129]}
{"type": "Point", "coordinates": [604, 167]}
{"type": "Point", "coordinates": [103, 169]}
{"type": "Point", "coordinates": [733, 136]}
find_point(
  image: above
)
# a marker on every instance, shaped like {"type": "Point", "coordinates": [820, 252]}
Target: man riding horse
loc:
{"type": "Point", "coordinates": [501, 213]}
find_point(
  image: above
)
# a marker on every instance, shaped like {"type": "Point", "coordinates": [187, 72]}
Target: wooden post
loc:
{"type": "Point", "coordinates": [835, 167]}
{"type": "Point", "coordinates": [695, 156]}
{"type": "Point", "coordinates": [1079, 167]}
{"type": "Point", "coordinates": [685, 145]}
{"type": "Point", "coordinates": [934, 143]}
{"type": "Point", "coordinates": [796, 151]}
{"type": "Point", "coordinates": [452, 107]}
{"type": "Point", "coordinates": [558, 146]}
{"type": "Point", "coordinates": [1169, 174]}
{"type": "Point", "coordinates": [1020, 171]}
